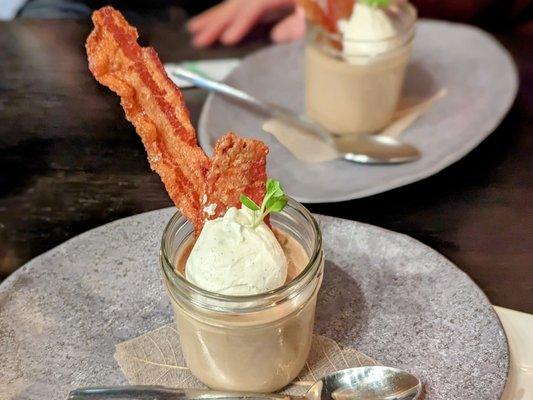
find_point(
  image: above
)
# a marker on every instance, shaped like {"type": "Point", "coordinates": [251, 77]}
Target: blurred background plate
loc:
{"type": "Point", "coordinates": [386, 294]}
{"type": "Point", "coordinates": [477, 72]}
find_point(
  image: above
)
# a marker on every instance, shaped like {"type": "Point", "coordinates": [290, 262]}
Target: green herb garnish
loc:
{"type": "Point", "coordinates": [376, 3]}
{"type": "Point", "coordinates": [274, 201]}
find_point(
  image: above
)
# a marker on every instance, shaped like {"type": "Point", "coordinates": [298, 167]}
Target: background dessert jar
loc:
{"type": "Point", "coordinates": [246, 343]}
{"type": "Point", "coordinates": [353, 78]}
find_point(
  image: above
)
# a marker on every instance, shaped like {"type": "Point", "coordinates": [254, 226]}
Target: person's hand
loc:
{"type": "Point", "coordinates": [231, 20]}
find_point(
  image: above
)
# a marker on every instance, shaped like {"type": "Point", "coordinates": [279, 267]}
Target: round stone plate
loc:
{"type": "Point", "coordinates": [385, 294]}
{"type": "Point", "coordinates": [477, 72]}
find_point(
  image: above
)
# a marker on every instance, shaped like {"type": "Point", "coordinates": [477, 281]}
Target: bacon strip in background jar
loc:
{"type": "Point", "coordinates": [327, 19]}
{"type": "Point", "coordinates": [317, 15]}
{"type": "Point", "coordinates": [340, 9]}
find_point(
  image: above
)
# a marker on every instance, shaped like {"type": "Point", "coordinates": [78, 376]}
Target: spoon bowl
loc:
{"type": "Point", "coordinates": [373, 382]}
{"type": "Point", "coordinates": [376, 149]}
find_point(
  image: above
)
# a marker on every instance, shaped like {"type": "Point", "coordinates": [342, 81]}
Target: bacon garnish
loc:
{"type": "Point", "coordinates": [336, 9]}
{"type": "Point", "coordinates": [238, 167]}
{"type": "Point", "coordinates": [340, 9]}
{"type": "Point", "coordinates": [316, 15]}
{"type": "Point", "coordinates": [155, 106]}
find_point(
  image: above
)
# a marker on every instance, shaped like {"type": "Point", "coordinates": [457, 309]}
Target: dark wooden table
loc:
{"type": "Point", "coordinates": [69, 162]}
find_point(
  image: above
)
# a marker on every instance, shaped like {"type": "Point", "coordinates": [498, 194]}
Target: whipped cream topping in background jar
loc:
{"type": "Point", "coordinates": [354, 77]}
{"type": "Point", "coordinates": [246, 343]}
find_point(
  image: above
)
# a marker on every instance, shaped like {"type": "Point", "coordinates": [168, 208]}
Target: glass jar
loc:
{"type": "Point", "coordinates": [246, 343]}
{"type": "Point", "coordinates": [353, 86]}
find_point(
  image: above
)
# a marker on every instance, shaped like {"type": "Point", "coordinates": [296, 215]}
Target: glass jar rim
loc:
{"type": "Point", "coordinates": [285, 291]}
{"type": "Point", "coordinates": [337, 37]}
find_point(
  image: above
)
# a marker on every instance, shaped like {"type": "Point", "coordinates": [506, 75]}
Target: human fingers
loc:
{"type": "Point", "coordinates": [290, 28]}
{"type": "Point", "coordinates": [202, 20]}
{"type": "Point", "coordinates": [244, 20]}
{"type": "Point", "coordinates": [248, 16]}
{"type": "Point", "coordinates": [211, 32]}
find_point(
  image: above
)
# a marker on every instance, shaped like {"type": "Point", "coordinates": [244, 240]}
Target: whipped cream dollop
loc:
{"type": "Point", "coordinates": [230, 257]}
{"type": "Point", "coordinates": [364, 33]}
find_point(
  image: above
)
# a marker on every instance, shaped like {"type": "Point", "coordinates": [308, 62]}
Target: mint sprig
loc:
{"type": "Point", "coordinates": [275, 200]}
{"type": "Point", "coordinates": [375, 3]}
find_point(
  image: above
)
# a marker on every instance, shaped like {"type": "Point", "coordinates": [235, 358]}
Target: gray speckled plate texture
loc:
{"type": "Point", "coordinates": [386, 294]}
{"type": "Point", "coordinates": [477, 71]}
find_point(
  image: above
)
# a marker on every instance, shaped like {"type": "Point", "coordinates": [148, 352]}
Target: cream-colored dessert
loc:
{"type": "Point", "coordinates": [293, 252]}
{"type": "Point", "coordinates": [263, 344]}
{"type": "Point", "coordinates": [235, 258]}
{"type": "Point", "coordinates": [353, 79]}
{"type": "Point", "coordinates": [367, 32]}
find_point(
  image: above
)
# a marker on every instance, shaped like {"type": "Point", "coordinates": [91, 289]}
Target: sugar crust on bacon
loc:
{"type": "Point", "coordinates": [238, 166]}
{"type": "Point", "coordinates": [340, 9]}
{"type": "Point", "coordinates": [155, 106]}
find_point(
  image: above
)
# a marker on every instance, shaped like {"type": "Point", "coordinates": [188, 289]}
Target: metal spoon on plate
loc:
{"type": "Point", "coordinates": [365, 148]}
{"type": "Point", "coordinates": [368, 383]}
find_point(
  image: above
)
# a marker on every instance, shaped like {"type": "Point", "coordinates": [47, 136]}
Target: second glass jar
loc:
{"type": "Point", "coordinates": [351, 87]}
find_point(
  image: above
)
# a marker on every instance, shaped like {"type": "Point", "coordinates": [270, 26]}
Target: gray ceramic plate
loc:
{"type": "Point", "coordinates": [478, 73]}
{"type": "Point", "coordinates": [386, 294]}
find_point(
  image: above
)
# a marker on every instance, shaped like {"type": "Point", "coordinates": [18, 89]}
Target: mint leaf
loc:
{"type": "Point", "coordinates": [249, 203]}
{"type": "Point", "coordinates": [274, 201]}
{"type": "Point", "coordinates": [278, 205]}
{"type": "Point", "coordinates": [271, 201]}
{"type": "Point", "coordinates": [273, 188]}
{"type": "Point", "coordinates": [375, 3]}
{"type": "Point", "coordinates": [271, 185]}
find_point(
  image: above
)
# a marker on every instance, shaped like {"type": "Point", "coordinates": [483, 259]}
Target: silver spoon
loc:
{"type": "Point", "coordinates": [365, 149]}
{"type": "Point", "coordinates": [368, 383]}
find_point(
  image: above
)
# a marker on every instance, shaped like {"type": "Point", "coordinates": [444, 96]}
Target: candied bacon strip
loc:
{"type": "Point", "coordinates": [316, 15]}
{"type": "Point", "coordinates": [238, 166]}
{"type": "Point", "coordinates": [153, 104]}
{"type": "Point", "coordinates": [340, 9]}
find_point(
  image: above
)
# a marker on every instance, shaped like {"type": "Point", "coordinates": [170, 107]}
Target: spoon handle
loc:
{"type": "Point", "coordinates": [273, 110]}
{"type": "Point", "coordinates": [164, 393]}
{"type": "Point", "coordinates": [219, 87]}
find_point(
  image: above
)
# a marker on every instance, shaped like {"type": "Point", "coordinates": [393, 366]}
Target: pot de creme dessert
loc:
{"type": "Point", "coordinates": [242, 263]}
{"type": "Point", "coordinates": [261, 340]}
{"type": "Point", "coordinates": [355, 66]}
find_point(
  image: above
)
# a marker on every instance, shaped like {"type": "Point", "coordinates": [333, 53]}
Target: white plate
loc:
{"type": "Point", "coordinates": [478, 73]}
